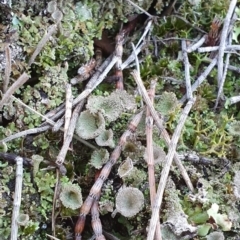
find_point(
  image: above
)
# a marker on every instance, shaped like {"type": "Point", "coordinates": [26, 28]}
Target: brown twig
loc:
{"type": "Point", "coordinates": [166, 169]}
{"type": "Point", "coordinates": [96, 222]}
{"type": "Point", "coordinates": [96, 188]}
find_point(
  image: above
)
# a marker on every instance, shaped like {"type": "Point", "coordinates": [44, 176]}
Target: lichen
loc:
{"type": "Point", "coordinates": [175, 217]}
{"type": "Point", "coordinates": [125, 167]}
{"type": "Point", "coordinates": [129, 201]}
{"type": "Point", "coordinates": [166, 103]}
{"type": "Point", "coordinates": [71, 196]}
{"type": "Point", "coordinates": [105, 139]}
{"type": "Point", "coordinates": [99, 158]}
{"type": "Point", "coordinates": [111, 106]}
{"type": "Point", "coordinates": [215, 236]}
{"type": "Point", "coordinates": [90, 126]}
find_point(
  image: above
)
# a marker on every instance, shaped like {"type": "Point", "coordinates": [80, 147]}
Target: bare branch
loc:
{"type": "Point", "coordinates": [8, 67]}
{"type": "Point", "coordinates": [161, 128]}
{"type": "Point", "coordinates": [187, 70]}
{"type": "Point", "coordinates": [17, 198]}
{"type": "Point", "coordinates": [20, 81]}
{"type": "Point", "coordinates": [166, 169]}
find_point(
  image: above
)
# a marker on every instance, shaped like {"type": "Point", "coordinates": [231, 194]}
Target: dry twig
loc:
{"type": "Point", "coordinates": [166, 169]}
{"type": "Point", "coordinates": [161, 128]}
{"type": "Point", "coordinates": [196, 45]}
{"type": "Point", "coordinates": [201, 78]}
{"type": "Point", "coordinates": [8, 67]}
{"type": "Point", "coordinates": [17, 198]}
{"type": "Point", "coordinates": [63, 152]}
{"type": "Point", "coordinates": [20, 81]}
{"type": "Point", "coordinates": [223, 38]}
{"type": "Point", "coordinates": [150, 156]}
{"type": "Point", "coordinates": [68, 111]}
{"type": "Point", "coordinates": [187, 70]}
{"type": "Point", "coordinates": [42, 42]}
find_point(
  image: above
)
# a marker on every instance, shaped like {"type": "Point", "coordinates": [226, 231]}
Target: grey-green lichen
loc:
{"type": "Point", "coordinates": [99, 158]}
{"type": "Point", "coordinates": [105, 139]}
{"type": "Point", "coordinates": [135, 178]}
{"type": "Point", "coordinates": [90, 126]}
{"type": "Point", "coordinates": [125, 167]}
{"type": "Point", "coordinates": [166, 103]}
{"type": "Point", "coordinates": [175, 218]}
{"type": "Point", "coordinates": [71, 196]}
{"type": "Point", "coordinates": [133, 149]}
{"type": "Point", "coordinates": [113, 105]}
{"type": "Point", "coordinates": [37, 159]}
{"type": "Point", "coordinates": [129, 201]}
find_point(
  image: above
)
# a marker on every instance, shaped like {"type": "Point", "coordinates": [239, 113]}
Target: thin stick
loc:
{"type": "Point", "coordinates": [20, 81]}
{"type": "Point", "coordinates": [25, 133]}
{"type": "Point", "coordinates": [201, 78]}
{"type": "Point", "coordinates": [162, 130]}
{"type": "Point", "coordinates": [141, 9]}
{"type": "Point", "coordinates": [63, 152]}
{"type": "Point", "coordinates": [92, 85]}
{"type": "Point", "coordinates": [17, 198]}
{"type": "Point", "coordinates": [214, 48]}
{"type": "Point", "coordinates": [96, 222]}
{"type": "Point", "coordinates": [68, 111]}
{"type": "Point", "coordinates": [42, 42]}
{"type": "Point", "coordinates": [166, 169]}
{"type": "Point", "coordinates": [150, 157]}
{"type": "Point", "coordinates": [41, 129]}
{"type": "Point", "coordinates": [147, 29]}
{"type": "Point", "coordinates": [52, 237]}
{"type": "Point", "coordinates": [54, 203]}
{"type": "Point", "coordinates": [187, 70]}
{"type": "Point", "coordinates": [132, 56]}
{"type": "Point", "coordinates": [223, 39]}
{"type": "Point", "coordinates": [220, 88]}
{"type": "Point", "coordinates": [8, 67]}
{"type": "Point", "coordinates": [233, 100]}
{"type": "Point", "coordinates": [196, 45]}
